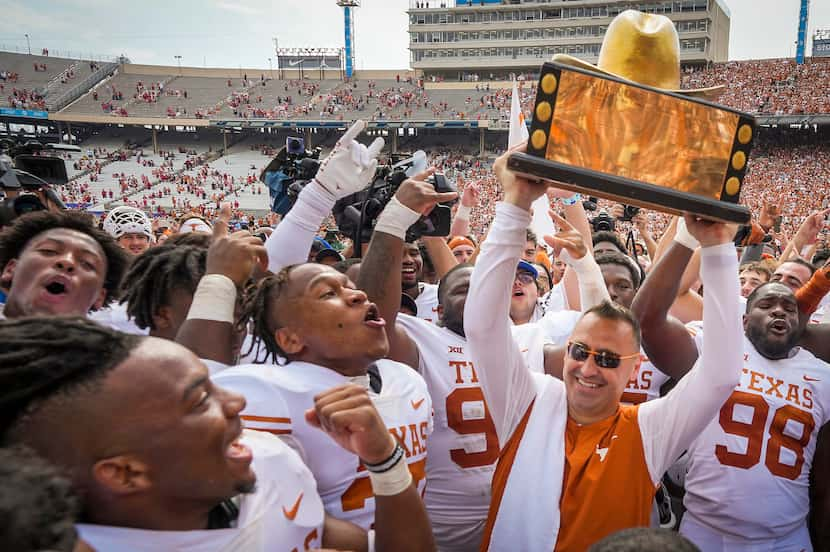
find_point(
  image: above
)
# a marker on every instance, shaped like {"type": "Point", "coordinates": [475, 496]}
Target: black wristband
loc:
{"type": "Point", "coordinates": [387, 464]}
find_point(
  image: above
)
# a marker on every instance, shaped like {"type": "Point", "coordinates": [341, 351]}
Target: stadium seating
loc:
{"type": "Point", "coordinates": [775, 86]}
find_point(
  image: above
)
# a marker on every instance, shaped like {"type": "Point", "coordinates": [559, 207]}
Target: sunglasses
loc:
{"type": "Point", "coordinates": [604, 359]}
{"type": "Point", "coordinates": [525, 278]}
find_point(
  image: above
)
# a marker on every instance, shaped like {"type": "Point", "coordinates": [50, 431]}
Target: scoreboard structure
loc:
{"type": "Point", "coordinates": [310, 62]}
{"type": "Point", "coordinates": [821, 43]}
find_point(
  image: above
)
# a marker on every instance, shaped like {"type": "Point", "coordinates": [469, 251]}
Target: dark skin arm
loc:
{"type": "Point", "coordinates": [380, 273]}
{"type": "Point", "coordinates": [665, 339]}
{"type": "Point", "coordinates": [347, 415]}
{"type": "Point", "coordinates": [819, 518]}
{"type": "Point", "coordinates": [816, 339]}
{"type": "Point", "coordinates": [380, 278]}
{"type": "Point", "coordinates": [234, 256]}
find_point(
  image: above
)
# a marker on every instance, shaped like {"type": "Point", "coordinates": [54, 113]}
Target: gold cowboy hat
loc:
{"type": "Point", "coordinates": [642, 48]}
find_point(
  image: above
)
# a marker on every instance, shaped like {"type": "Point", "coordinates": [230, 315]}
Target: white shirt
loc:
{"type": "Point", "coordinates": [427, 302]}
{"type": "Point", "coordinates": [278, 396]}
{"type": "Point", "coordinates": [283, 513]}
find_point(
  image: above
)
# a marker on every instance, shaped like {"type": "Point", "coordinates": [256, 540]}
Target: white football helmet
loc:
{"type": "Point", "coordinates": [127, 220]}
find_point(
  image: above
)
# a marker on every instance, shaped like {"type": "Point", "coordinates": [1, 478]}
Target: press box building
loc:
{"type": "Point", "coordinates": [458, 39]}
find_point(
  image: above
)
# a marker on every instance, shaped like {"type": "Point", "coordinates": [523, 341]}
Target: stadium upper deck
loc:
{"type": "Point", "coordinates": [142, 94]}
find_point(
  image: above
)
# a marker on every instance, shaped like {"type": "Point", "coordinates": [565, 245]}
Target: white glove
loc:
{"type": "Point", "coordinates": [350, 166]}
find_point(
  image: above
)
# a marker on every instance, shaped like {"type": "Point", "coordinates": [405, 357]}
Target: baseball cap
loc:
{"type": "Point", "coordinates": [527, 267]}
{"type": "Point", "coordinates": [330, 252]}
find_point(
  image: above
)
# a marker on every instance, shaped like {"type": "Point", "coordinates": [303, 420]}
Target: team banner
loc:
{"type": "Point", "coordinates": [637, 145]}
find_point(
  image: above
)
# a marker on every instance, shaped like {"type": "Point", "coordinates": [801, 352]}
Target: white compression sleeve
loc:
{"type": "Point", "coordinates": [507, 383]}
{"type": "Point", "coordinates": [669, 425]}
{"type": "Point", "coordinates": [592, 289]}
{"type": "Point", "coordinates": [290, 243]}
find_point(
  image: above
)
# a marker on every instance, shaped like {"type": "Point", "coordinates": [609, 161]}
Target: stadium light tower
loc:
{"type": "Point", "coordinates": [348, 32]}
{"type": "Point", "coordinates": [803, 17]}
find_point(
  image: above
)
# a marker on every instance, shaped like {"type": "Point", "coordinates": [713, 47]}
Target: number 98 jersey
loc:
{"type": "Point", "coordinates": [749, 470]}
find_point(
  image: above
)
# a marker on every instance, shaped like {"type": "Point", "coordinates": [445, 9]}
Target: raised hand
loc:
{"type": "Point", "coordinates": [640, 220]}
{"type": "Point", "coordinates": [568, 238]}
{"type": "Point", "coordinates": [708, 232]}
{"type": "Point", "coordinates": [517, 190]}
{"type": "Point", "coordinates": [350, 166]}
{"type": "Point", "coordinates": [769, 213]}
{"type": "Point", "coordinates": [420, 196]}
{"type": "Point", "coordinates": [809, 230]}
{"type": "Point", "coordinates": [347, 415]}
{"type": "Point", "coordinates": [234, 255]}
{"type": "Point", "coordinates": [471, 195]}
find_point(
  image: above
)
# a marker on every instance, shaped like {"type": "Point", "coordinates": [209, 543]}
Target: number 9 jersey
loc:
{"type": "Point", "coordinates": [749, 470]}
{"type": "Point", "coordinates": [464, 447]}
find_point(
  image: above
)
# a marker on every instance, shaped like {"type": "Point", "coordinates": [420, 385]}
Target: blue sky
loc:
{"type": "Point", "coordinates": [232, 33]}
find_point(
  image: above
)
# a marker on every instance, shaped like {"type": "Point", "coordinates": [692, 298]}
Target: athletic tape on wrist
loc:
{"type": "Point", "coordinates": [396, 219]}
{"type": "Point", "coordinates": [683, 237]}
{"type": "Point", "coordinates": [463, 212]}
{"type": "Point", "coordinates": [214, 299]}
{"type": "Point", "coordinates": [394, 481]}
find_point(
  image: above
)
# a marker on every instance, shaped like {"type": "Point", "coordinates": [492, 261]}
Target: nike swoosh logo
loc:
{"type": "Point", "coordinates": [417, 404]}
{"type": "Point", "coordinates": [292, 513]}
{"type": "Point", "coordinates": [808, 378]}
{"type": "Point", "coordinates": [295, 63]}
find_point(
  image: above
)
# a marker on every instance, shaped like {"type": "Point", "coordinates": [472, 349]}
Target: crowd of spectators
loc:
{"type": "Point", "coordinates": [22, 98]}
{"type": "Point", "coordinates": [771, 86]}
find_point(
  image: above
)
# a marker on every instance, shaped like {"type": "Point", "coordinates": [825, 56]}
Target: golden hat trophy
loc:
{"type": "Point", "coordinates": [624, 130]}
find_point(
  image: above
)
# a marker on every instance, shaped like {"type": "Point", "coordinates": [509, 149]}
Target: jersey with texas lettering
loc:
{"type": "Point", "coordinates": [749, 469]}
{"type": "Point", "coordinates": [284, 512]}
{"type": "Point", "coordinates": [464, 446]}
{"type": "Point", "coordinates": [645, 384]}
{"type": "Point", "coordinates": [278, 396]}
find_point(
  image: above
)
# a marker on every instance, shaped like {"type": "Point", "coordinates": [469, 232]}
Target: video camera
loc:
{"type": "Point", "coordinates": [288, 173]}
{"type": "Point", "coordinates": [357, 214]}
{"type": "Point", "coordinates": [27, 177]}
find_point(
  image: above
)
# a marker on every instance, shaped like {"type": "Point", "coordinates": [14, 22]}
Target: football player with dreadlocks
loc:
{"type": "Point", "coordinates": [166, 465]}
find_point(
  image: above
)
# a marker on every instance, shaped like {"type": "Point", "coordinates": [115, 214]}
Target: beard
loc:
{"type": "Point", "coordinates": [772, 348]}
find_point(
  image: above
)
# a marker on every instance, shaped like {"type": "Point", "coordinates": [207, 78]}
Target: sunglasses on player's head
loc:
{"type": "Point", "coordinates": [604, 359]}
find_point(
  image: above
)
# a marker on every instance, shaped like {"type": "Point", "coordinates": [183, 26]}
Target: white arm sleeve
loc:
{"type": "Point", "coordinates": [668, 425]}
{"type": "Point", "coordinates": [290, 243]}
{"type": "Point", "coordinates": [592, 289]}
{"type": "Point", "coordinates": [507, 384]}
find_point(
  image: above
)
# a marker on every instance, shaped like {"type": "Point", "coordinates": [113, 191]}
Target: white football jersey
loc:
{"type": "Point", "coordinates": [645, 384]}
{"type": "Point", "coordinates": [464, 446]}
{"type": "Point", "coordinates": [278, 396]}
{"type": "Point", "coordinates": [283, 513]}
{"type": "Point", "coordinates": [427, 302]}
{"type": "Point", "coordinates": [749, 470]}
{"type": "Point", "coordinates": [115, 317]}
